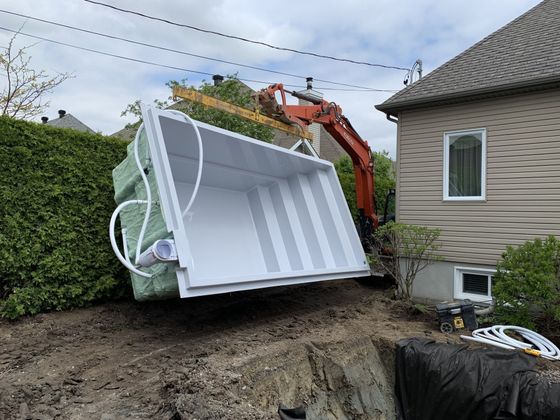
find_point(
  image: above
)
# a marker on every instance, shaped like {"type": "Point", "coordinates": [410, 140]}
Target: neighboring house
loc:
{"type": "Point", "coordinates": [323, 143]}
{"type": "Point", "coordinates": [65, 120]}
{"type": "Point", "coordinates": [127, 133]}
{"type": "Point", "coordinates": [478, 152]}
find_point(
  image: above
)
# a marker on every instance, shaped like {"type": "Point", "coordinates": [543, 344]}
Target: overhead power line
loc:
{"type": "Point", "coordinates": [159, 47]}
{"type": "Point", "coordinates": [251, 41]}
{"type": "Point", "coordinates": [151, 63]}
{"type": "Point", "coordinates": [103, 52]}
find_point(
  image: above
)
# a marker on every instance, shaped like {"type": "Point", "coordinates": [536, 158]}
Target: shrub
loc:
{"type": "Point", "coordinates": [56, 198]}
{"type": "Point", "coordinates": [405, 250]}
{"type": "Point", "coordinates": [527, 284]}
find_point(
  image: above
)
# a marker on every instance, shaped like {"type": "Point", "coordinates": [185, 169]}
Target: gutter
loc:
{"type": "Point", "coordinates": [392, 117]}
{"type": "Point", "coordinates": [470, 95]}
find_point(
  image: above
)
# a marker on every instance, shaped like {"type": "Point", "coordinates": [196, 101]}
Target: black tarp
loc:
{"type": "Point", "coordinates": [286, 413]}
{"type": "Point", "coordinates": [450, 381]}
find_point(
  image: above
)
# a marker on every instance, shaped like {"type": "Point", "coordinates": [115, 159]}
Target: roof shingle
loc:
{"type": "Point", "coordinates": [69, 121]}
{"type": "Point", "coordinates": [525, 52]}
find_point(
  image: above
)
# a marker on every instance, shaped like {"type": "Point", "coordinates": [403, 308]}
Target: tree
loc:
{"type": "Point", "coordinates": [25, 88]}
{"type": "Point", "coordinates": [230, 90]}
{"type": "Point", "coordinates": [345, 172]}
{"type": "Point", "coordinates": [405, 250]}
{"type": "Point", "coordinates": [384, 181]}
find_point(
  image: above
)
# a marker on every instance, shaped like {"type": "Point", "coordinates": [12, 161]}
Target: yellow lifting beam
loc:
{"type": "Point", "coordinates": [209, 101]}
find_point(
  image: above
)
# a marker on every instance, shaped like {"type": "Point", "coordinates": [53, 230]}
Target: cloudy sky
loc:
{"type": "Point", "coordinates": [382, 31]}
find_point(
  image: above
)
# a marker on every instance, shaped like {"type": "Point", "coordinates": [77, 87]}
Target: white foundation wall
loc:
{"type": "Point", "coordinates": [436, 283]}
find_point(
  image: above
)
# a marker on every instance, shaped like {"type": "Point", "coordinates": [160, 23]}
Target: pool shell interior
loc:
{"type": "Point", "coordinates": [260, 210]}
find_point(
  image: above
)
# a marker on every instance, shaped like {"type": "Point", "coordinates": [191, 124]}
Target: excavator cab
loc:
{"type": "Point", "coordinates": [389, 199]}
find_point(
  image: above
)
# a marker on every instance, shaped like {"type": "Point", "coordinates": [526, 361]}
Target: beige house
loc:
{"type": "Point", "coordinates": [478, 152]}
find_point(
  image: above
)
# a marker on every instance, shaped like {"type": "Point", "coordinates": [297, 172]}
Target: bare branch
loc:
{"type": "Point", "coordinates": [25, 86]}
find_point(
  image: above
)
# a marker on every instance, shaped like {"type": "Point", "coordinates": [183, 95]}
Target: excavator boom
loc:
{"type": "Point", "coordinates": [250, 115]}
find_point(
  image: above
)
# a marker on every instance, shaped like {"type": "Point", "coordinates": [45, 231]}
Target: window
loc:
{"type": "Point", "coordinates": [464, 163]}
{"type": "Point", "coordinates": [473, 283]}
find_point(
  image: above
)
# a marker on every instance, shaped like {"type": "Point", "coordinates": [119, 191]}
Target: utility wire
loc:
{"type": "Point", "coordinates": [137, 60]}
{"type": "Point", "coordinates": [365, 63]}
{"type": "Point", "coordinates": [144, 44]}
{"type": "Point", "coordinates": [104, 53]}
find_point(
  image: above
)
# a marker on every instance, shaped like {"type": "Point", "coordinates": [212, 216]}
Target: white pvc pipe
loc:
{"type": "Point", "coordinates": [162, 250]}
{"type": "Point", "coordinates": [114, 245]}
{"type": "Point", "coordinates": [148, 194]}
{"type": "Point", "coordinates": [200, 159]}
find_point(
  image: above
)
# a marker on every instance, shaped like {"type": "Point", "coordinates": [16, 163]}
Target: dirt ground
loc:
{"type": "Point", "coordinates": [227, 356]}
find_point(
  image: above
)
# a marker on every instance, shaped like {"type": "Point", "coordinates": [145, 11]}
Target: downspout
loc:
{"type": "Point", "coordinates": [392, 191]}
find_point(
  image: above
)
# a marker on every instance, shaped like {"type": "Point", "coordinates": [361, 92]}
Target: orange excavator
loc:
{"type": "Point", "coordinates": [296, 119]}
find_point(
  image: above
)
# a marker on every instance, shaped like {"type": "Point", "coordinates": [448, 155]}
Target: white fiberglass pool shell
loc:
{"type": "Point", "coordinates": [263, 216]}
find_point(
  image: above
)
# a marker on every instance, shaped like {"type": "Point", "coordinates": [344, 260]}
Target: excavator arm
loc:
{"type": "Point", "coordinates": [338, 126]}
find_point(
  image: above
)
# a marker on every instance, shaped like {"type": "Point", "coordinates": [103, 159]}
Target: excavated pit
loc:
{"type": "Point", "coordinates": [336, 380]}
{"type": "Point", "coordinates": [349, 379]}
{"type": "Point", "coordinates": [328, 346]}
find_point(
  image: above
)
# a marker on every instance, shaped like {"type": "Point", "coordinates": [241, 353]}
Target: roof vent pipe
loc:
{"type": "Point", "coordinates": [61, 113]}
{"type": "Point", "coordinates": [218, 79]}
{"type": "Point", "coordinates": [309, 81]}
{"type": "Point", "coordinates": [44, 119]}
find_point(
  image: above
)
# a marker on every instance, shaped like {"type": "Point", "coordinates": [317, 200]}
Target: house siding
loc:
{"type": "Point", "coordinates": [330, 149]}
{"type": "Point", "coordinates": [522, 179]}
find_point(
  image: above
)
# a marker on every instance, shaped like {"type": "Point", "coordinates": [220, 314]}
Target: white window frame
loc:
{"type": "Point", "coordinates": [458, 284]}
{"type": "Point", "coordinates": [446, 135]}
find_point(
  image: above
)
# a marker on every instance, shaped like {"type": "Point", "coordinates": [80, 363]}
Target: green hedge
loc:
{"type": "Point", "coordinates": [56, 198]}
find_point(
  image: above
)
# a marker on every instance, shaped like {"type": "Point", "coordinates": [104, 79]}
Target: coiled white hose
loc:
{"type": "Point", "coordinates": [148, 201]}
{"type": "Point", "coordinates": [496, 336]}
{"type": "Point", "coordinates": [147, 185]}
{"type": "Point", "coordinates": [114, 245]}
{"type": "Point", "coordinates": [200, 159]}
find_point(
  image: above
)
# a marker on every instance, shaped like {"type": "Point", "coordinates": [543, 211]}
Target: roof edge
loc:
{"type": "Point", "coordinates": [458, 57]}
{"type": "Point", "coordinates": [464, 96]}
